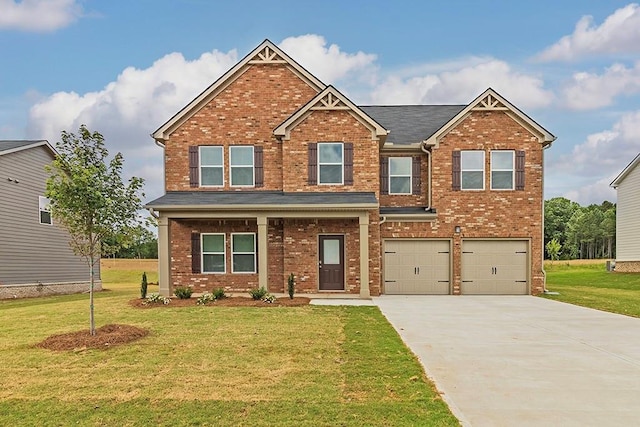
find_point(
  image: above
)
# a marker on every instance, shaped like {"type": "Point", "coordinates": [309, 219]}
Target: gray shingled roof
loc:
{"type": "Point", "coordinates": [411, 210]}
{"type": "Point", "coordinates": [11, 145]}
{"type": "Point", "coordinates": [265, 198]}
{"type": "Point", "coordinates": [409, 124]}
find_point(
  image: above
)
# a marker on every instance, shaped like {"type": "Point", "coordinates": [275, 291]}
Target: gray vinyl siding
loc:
{"type": "Point", "coordinates": [31, 252]}
{"type": "Point", "coordinates": [628, 218]}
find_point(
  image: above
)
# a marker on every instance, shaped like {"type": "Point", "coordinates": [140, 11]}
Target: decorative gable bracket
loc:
{"type": "Point", "coordinates": [268, 55]}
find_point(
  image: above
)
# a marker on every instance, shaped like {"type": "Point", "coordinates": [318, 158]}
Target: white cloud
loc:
{"type": "Point", "coordinates": [127, 110]}
{"type": "Point", "coordinates": [619, 33]}
{"type": "Point", "coordinates": [462, 85]}
{"type": "Point", "coordinates": [329, 64]}
{"type": "Point", "coordinates": [598, 160]}
{"type": "Point", "coordinates": [591, 91]}
{"type": "Point", "coordinates": [38, 15]}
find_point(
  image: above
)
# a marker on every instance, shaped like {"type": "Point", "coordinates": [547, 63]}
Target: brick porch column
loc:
{"type": "Point", "coordinates": [364, 255]}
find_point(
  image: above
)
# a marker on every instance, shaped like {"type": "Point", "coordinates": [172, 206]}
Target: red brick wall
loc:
{"type": "Point", "coordinates": [487, 213]}
{"type": "Point", "coordinates": [246, 112]}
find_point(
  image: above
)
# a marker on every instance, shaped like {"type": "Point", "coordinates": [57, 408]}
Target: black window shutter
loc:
{"type": "Point", "coordinates": [455, 170]}
{"type": "Point", "coordinates": [415, 174]}
{"type": "Point", "coordinates": [258, 165]}
{"type": "Point", "coordinates": [384, 175]}
{"type": "Point", "coordinates": [195, 253]}
{"type": "Point", "coordinates": [313, 163]}
{"type": "Point", "coordinates": [348, 163]}
{"type": "Point", "coordinates": [193, 166]}
{"type": "Point", "coordinates": [519, 170]}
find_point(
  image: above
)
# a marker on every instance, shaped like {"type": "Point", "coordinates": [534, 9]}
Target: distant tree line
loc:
{"type": "Point", "coordinates": [142, 245]}
{"type": "Point", "coordinates": [582, 232]}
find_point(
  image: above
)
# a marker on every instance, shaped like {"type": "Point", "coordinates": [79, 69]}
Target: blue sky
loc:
{"type": "Point", "coordinates": [125, 67]}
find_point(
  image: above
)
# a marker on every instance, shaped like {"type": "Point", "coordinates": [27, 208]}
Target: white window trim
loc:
{"type": "Point", "coordinates": [512, 170]}
{"type": "Point", "coordinates": [341, 144]}
{"type": "Point", "coordinates": [244, 253]}
{"type": "Point", "coordinates": [200, 166]}
{"type": "Point", "coordinates": [253, 167]}
{"type": "Point", "coordinates": [43, 206]}
{"type": "Point", "coordinates": [462, 171]}
{"type": "Point", "coordinates": [224, 253]}
{"type": "Point", "coordinates": [410, 176]}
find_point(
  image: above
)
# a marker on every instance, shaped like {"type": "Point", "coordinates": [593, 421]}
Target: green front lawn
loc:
{"type": "Point", "coordinates": [590, 285]}
{"type": "Point", "coordinates": [217, 366]}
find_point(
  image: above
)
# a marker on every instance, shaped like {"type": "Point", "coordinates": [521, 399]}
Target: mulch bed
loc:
{"type": "Point", "coordinates": [106, 337]}
{"type": "Point", "coordinates": [225, 302]}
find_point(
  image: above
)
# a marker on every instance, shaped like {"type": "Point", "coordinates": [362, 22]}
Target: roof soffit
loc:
{"type": "Point", "coordinates": [490, 100]}
{"type": "Point", "coordinates": [330, 99]}
{"type": "Point", "coordinates": [265, 53]}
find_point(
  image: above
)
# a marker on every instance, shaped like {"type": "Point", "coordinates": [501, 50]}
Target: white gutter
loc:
{"type": "Point", "coordinates": [428, 153]}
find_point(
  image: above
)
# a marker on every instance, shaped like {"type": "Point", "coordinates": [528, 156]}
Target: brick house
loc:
{"type": "Point", "coordinates": [270, 172]}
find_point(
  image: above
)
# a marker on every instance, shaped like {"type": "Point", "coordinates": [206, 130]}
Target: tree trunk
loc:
{"type": "Point", "coordinates": [92, 324]}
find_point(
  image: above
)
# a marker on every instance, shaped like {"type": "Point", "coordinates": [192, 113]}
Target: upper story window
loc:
{"type": "Point", "coordinates": [330, 163]}
{"type": "Point", "coordinates": [211, 166]}
{"type": "Point", "coordinates": [400, 175]}
{"type": "Point", "coordinates": [241, 160]}
{"type": "Point", "coordinates": [213, 253]}
{"type": "Point", "coordinates": [472, 170]}
{"type": "Point", "coordinates": [502, 170]}
{"type": "Point", "coordinates": [45, 211]}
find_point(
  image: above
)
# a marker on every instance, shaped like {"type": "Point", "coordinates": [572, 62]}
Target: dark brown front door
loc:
{"type": "Point", "coordinates": [331, 263]}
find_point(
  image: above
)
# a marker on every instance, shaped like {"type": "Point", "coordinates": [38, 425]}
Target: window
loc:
{"type": "Point", "coordinates": [211, 166]}
{"type": "Point", "coordinates": [400, 175]}
{"type": "Point", "coordinates": [472, 170]}
{"type": "Point", "coordinates": [241, 164]}
{"type": "Point", "coordinates": [330, 163]}
{"type": "Point", "coordinates": [243, 252]}
{"type": "Point", "coordinates": [45, 211]}
{"type": "Point", "coordinates": [213, 253]}
{"type": "Point", "coordinates": [502, 170]}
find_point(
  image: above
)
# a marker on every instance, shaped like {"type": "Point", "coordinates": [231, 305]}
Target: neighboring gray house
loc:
{"type": "Point", "coordinates": [627, 185]}
{"type": "Point", "coordinates": [35, 256]}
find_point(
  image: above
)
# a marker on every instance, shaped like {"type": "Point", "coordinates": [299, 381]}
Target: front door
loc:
{"type": "Point", "coordinates": [331, 263]}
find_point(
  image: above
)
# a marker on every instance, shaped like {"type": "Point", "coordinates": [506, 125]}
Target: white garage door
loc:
{"type": "Point", "coordinates": [416, 267]}
{"type": "Point", "coordinates": [494, 267]}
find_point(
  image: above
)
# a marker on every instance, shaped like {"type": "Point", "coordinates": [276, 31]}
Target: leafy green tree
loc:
{"type": "Point", "coordinates": [553, 249]}
{"type": "Point", "coordinates": [557, 213]}
{"type": "Point", "coordinates": [89, 198]}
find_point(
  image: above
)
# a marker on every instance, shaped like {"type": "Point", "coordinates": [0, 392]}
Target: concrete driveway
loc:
{"type": "Point", "coordinates": [524, 361]}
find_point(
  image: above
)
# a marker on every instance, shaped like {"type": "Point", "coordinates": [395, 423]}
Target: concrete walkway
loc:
{"type": "Point", "coordinates": [524, 361]}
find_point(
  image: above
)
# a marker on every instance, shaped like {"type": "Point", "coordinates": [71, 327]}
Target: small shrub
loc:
{"type": "Point", "coordinates": [268, 298]}
{"type": "Point", "coordinates": [183, 292]}
{"type": "Point", "coordinates": [258, 293]}
{"type": "Point", "coordinates": [157, 299]}
{"type": "Point", "coordinates": [206, 298]}
{"type": "Point", "coordinates": [291, 283]}
{"type": "Point", "coordinates": [219, 293]}
{"type": "Point", "coordinates": [143, 286]}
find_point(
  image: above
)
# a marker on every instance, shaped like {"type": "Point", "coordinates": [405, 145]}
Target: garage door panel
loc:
{"type": "Point", "coordinates": [417, 267]}
{"type": "Point", "coordinates": [494, 267]}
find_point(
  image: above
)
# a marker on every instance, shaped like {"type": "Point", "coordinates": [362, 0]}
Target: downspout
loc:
{"type": "Point", "coordinates": [428, 153]}
{"type": "Point", "coordinates": [153, 213]}
{"type": "Point", "coordinates": [544, 273]}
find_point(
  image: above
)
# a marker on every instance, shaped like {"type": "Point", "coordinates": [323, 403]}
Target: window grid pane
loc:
{"type": "Point", "coordinates": [211, 156]}
{"type": "Point", "coordinates": [472, 170]}
{"type": "Point", "coordinates": [213, 253]}
{"type": "Point", "coordinates": [400, 175]}
{"type": "Point", "coordinates": [330, 163]}
{"type": "Point", "coordinates": [502, 170]}
{"type": "Point", "coordinates": [241, 163]}
{"type": "Point", "coordinates": [243, 256]}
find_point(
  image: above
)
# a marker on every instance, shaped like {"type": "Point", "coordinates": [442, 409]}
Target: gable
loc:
{"type": "Point", "coordinates": [8, 147]}
{"type": "Point", "coordinates": [626, 172]}
{"type": "Point", "coordinates": [330, 99]}
{"type": "Point", "coordinates": [265, 54]}
{"type": "Point", "coordinates": [490, 100]}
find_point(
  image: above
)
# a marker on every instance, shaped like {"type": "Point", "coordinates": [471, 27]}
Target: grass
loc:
{"type": "Point", "coordinates": [222, 366]}
{"type": "Point", "coordinates": [589, 284]}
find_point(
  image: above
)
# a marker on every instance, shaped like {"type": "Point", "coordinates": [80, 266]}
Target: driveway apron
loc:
{"type": "Point", "coordinates": [522, 360]}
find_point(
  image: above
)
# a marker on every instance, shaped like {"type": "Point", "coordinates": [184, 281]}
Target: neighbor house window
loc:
{"type": "Point", "coordinates": [502, 170]}
{"type": "Point", "coordinates": [241, 165]}
{"type": "Point", "coordinates": [213, 253]}
{"type": "Point", "coordinates": [400, 175]}
{"type": "Point", "coordinates": [330, 163]}
{"type": "Point", "coordinates": [211, 166]}
{"type": "Point", "coordinates": [45, 211]}
{"type": "Point", "coordinates": [472, 170]}
{"type": "Point", "coordinates": [243, 252]}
